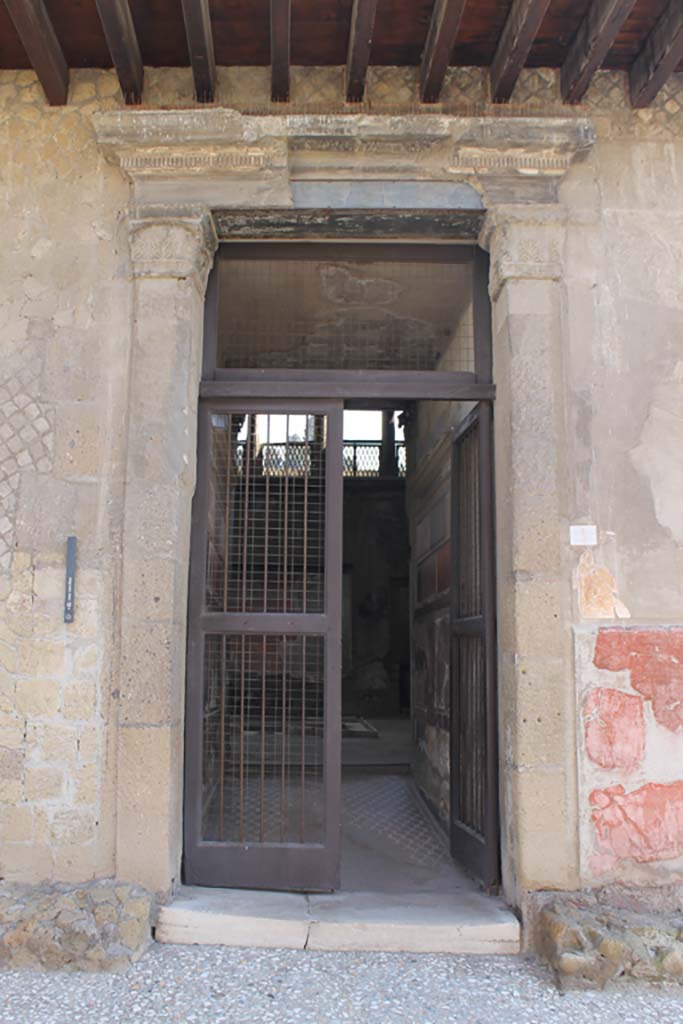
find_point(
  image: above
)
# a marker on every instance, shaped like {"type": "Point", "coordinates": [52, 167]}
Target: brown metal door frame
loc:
{"type": "Point", "coordinates": [476, 848]}
{"type": "Point", "coordinates": [268, 865]}
{"type": "Point", "coordinates": [327, 390]}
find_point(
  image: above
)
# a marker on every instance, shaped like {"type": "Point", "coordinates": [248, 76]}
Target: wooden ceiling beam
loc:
{"type": "Point", "coordinates": [659, 57]}
{"type": "Point", "coordinates": [516, 39]}
{"type": "Point", "coordinates": [37, 35]}
{"type": "Point", "coordinates": [360, 40]}
{"type": "Point", "coordinates": [443, 29]}
{"type": "Point", "coordinates": [591, 44]}
{"type": "Point", "coordinates": [197, 20]}
{"type": "Point", "coordinates": [122, 40]}
{"type": "Point", "coordinates": [280, 43]}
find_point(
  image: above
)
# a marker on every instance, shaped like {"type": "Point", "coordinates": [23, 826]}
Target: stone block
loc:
{"type": "Point", "coordinates": [155, 589]}
{"type": "Point", "coordinates": [43, 783]}
{"type": "Point", "coordinates": [592, 938]}
{"type": "Point", "coordinates": [148, 832]}
{"type": "Point", "coordinates": [42, 658]}
{"type": "Point", "coordinates": [53, 743]}
{"type": "Point", "coordinates": [544, 827]}
{"type": "Point", "coordinates": [32, 862]}
{"type": "Point", "coordinates": [88, 744]}
{"type": "Point", "coordinates": [38, 698]}
{"type": "Point", "coordinates": [64, 927]}
{"type": "Point", "coordinates": [16, 824]}
{"type": "Point", "coordinates": [11, 731]}
{"type": "Point", "coordinates": [536, 705]}
{"type": "Point", "coordinates": [86, 779]}
{"type": "Point", "coordinates": [78, 440]}
{"type": "Point", "coordinates": [539, 618]}
{"type": "Point", "coordinates": [79, 701]}
{"type": "Point", "coordinates": [11, 791]}
{"type": "Point", "coordinates": [152, 670]}
{"type": "Point", "coordinates": [11, 764]}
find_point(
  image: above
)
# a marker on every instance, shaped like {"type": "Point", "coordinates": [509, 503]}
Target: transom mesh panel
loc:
{"type": "Point", "coordinates": [354, 315]}
{"type": "Point", "coordinates": [266, 536]}
{"type": "Point", "coordinates": [262, 758]}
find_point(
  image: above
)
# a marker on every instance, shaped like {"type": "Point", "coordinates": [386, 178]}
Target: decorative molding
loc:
{"type": "Point", "coordinates": [172, 242]}
{"type": "Point", "coordinates": [155, 161]}
{"type": "Point", "coordinates": [166, 149]}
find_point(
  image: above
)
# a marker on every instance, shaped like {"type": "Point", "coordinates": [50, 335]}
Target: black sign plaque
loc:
{"type": "Point", "coordinates": [70, 586]}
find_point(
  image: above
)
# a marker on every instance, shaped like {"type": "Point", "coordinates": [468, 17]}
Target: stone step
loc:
{"type": "Point", "coordinates": [468, 922]}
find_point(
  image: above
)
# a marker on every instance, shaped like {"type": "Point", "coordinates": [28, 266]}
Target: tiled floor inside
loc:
{"type": "Point", "coordinates": [390, 842]}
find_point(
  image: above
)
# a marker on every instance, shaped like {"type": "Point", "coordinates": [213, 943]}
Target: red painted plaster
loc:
{"type": "Point", "coordinates": [654, 657]}
{"type": "Point", "coordinates": [615, 728]}
{"type": "Point", "coordinates": [645, 825]}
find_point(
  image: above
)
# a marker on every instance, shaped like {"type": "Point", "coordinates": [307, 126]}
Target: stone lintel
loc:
{"type": "Point", "coordinates": [518, 158]}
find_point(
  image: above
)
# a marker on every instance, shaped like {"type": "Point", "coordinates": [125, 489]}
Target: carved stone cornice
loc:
{"type": "Point", "coordinates": [511, 159]}
{"type": "Point", "coordinates": [172, 242]}
{"type": "Point", "coordinates": [524, 242]}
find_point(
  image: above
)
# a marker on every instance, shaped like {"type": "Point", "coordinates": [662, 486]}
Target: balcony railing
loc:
{"type": "Point", "coordinates": [360, 459]}
{"type": "Point", "coordinates": [365, 459]}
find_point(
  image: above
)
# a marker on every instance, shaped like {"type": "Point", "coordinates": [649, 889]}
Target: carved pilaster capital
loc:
{"type": "Point", "coordinates": [172, 242]}
{"type": "Point", "coordinates": [525, 243]}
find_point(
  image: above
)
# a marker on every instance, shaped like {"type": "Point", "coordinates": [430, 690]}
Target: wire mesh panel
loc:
{"type": "Point", "coordinates": [263, 757]}
{"type": "Point", "coordinates": [266, 535]}
{"type": "Point", "coordinates": [336, 314]}
{"type": "Point", "coordinates": [264, 672]}
{"type": "Point", "coordinates": [474, 834]}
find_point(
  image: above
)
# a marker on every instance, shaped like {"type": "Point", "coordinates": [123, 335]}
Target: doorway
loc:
{"type": "Point", "coordinates": [312, 695]}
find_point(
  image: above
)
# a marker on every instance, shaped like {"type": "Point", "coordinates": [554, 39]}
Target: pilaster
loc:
{"type": "Point", "coordinates": [171, 251]}
{"type": "Point", "coordinates": [538, 773]}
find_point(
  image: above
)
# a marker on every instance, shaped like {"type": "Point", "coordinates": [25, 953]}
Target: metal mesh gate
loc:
{"type": "Point", "coordinates": [263, 737]}
{"type": "Point", "coordinates": [473, 737]}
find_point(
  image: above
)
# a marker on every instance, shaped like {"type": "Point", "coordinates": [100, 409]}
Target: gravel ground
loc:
{"type": "Point", "coordinates": [188, 984]}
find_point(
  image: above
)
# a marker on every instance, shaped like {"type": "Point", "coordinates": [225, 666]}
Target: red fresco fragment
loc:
{"type": "Point", "coordinates": [645, 825]}
{"type": "Point", "coordinates": [654, 657]}
{"type": "Point", "coordinates": [615, 728]}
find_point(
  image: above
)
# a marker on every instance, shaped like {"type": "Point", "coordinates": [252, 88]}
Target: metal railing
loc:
{"type": "Point", "coordinates": [365, 459]}
{"type": "Point", "coordinates": [360, 459]}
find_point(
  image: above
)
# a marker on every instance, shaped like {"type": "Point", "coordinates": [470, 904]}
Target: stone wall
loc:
{"type": "Point", "coordinates": [102, 925]}
{"type": "Point", "coordinates": [64, 333]}
{"type": "Point", "coordinates": [611, 334]}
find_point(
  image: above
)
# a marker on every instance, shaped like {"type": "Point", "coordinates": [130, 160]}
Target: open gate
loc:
{"type": "Point", "coordinates": [474, 748]}
{"type": "Point", "coordinates": [264, 674]}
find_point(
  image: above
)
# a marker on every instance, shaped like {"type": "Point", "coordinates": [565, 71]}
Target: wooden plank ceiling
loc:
{"type": "Point", "coordinates": [644, 37]}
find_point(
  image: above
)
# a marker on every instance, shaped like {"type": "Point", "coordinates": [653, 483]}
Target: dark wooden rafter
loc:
{"type": "Point", "coordinates": [280, 41]}
{"type": "Point", "coordinates": [360, 40]}
{"type": "Point", "coordinates": [436, 55]}
{"type": "Point", "coordinates": [122, 40]}
{"type": "Point", "coordinates": [519, 32]}
{"type": "Point", "coordinates": [591, 44]}
{"type": "Point", "coordinates": [38, 38]}
{"type": "Point", "coordinates": [197, 18]}
{"type": "Point", "coordinates": [659, 57]}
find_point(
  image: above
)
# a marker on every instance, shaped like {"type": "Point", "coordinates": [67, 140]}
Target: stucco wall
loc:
{"type": "Point", "coordinates": [65, 330]}
{"type": "Point", "coordinates": [624, 367]}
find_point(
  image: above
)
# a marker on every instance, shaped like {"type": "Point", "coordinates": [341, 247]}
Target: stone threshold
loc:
{"type": "Point", "coordinates": [424, 922]}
